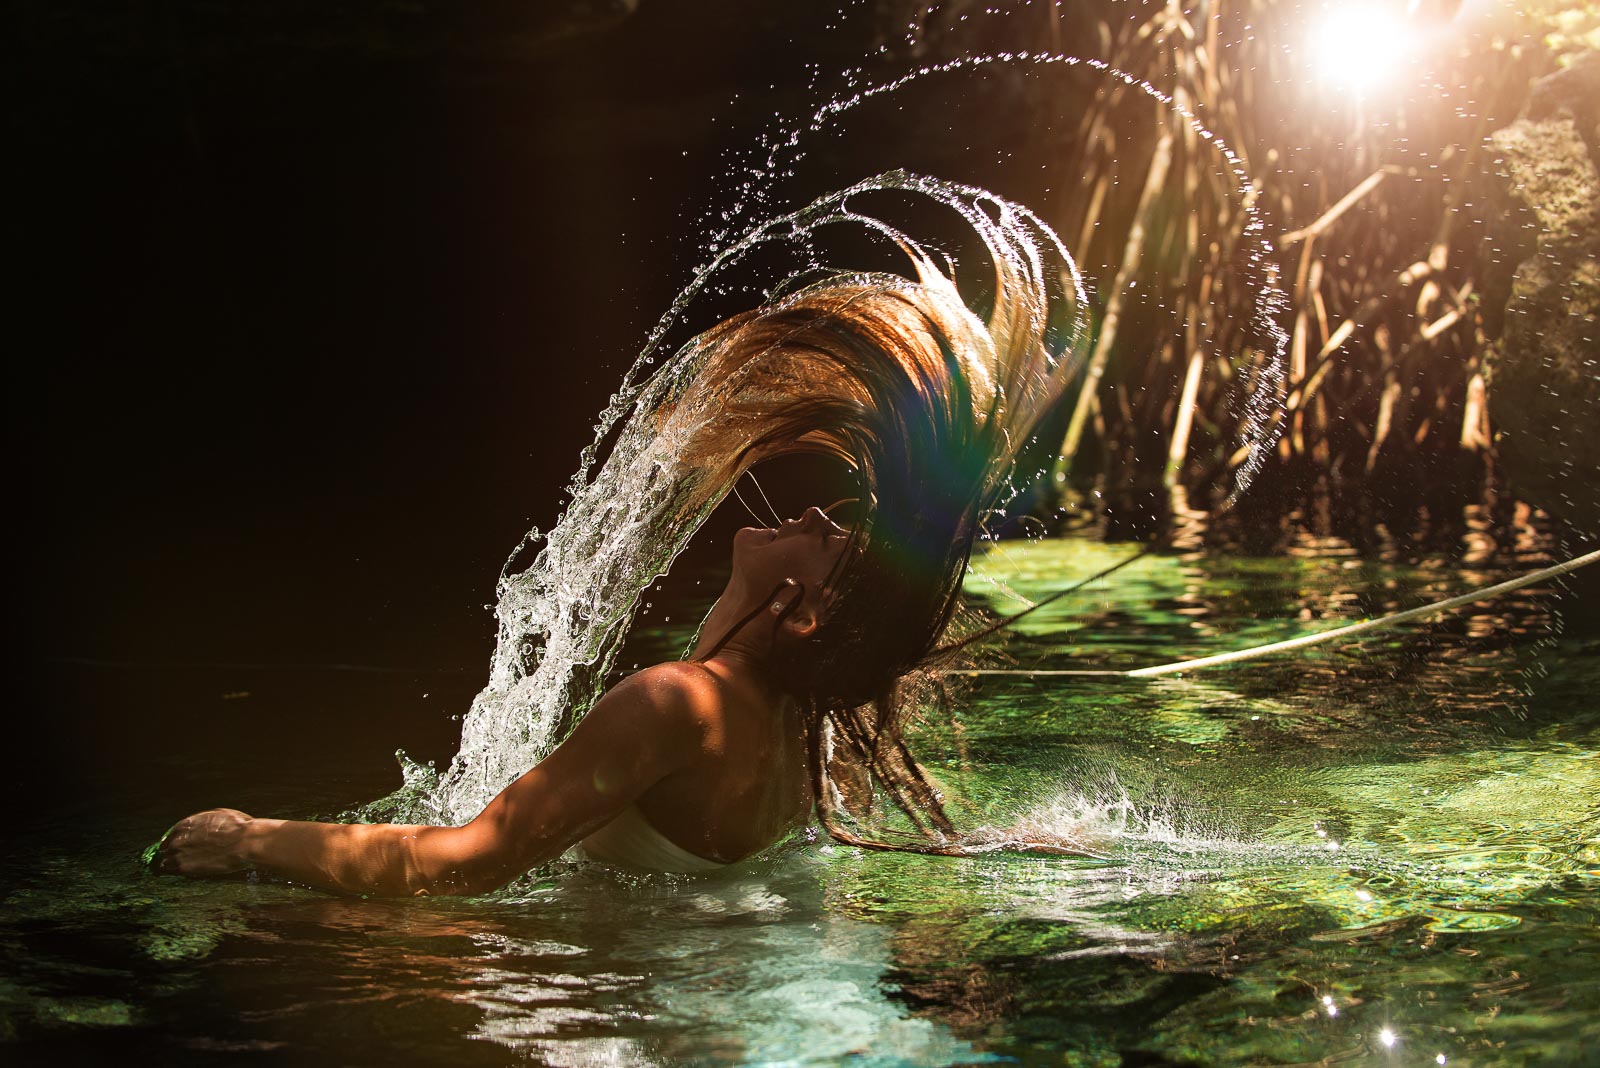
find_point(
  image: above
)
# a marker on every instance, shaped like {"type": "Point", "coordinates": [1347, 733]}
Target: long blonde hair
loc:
{"type": "Point", "coordinates": [931, 406]}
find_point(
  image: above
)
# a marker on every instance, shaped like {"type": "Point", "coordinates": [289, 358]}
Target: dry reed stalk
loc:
{"type": "Point", "coordinates": [1155, 179]}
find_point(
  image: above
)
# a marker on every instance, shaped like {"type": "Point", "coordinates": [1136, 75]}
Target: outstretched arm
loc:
{"type": "Point", "coordinates": [644, 729]}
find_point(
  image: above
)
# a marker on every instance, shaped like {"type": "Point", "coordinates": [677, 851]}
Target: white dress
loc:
{"type": "Point", "coordinates": [630, 841]}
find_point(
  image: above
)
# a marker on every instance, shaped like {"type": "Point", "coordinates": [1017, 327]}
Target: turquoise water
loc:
{"type": "Point", "coordinates": [1382, 853]}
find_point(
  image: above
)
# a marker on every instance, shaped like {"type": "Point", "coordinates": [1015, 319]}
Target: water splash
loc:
{"type": "Point", "coordinates": [1101, 817]}
{"type": "Point", "coordinates": [562, 619]}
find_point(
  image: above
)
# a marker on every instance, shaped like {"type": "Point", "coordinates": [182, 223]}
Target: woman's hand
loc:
{"type": "Point", "coordinates": [207, 843]}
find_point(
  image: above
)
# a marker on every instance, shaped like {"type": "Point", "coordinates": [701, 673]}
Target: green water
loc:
{"type": "Point", "coordinates": [1383, 853]}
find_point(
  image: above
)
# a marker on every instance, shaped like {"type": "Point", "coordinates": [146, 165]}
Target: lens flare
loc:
{"type": "Point", "coordinates": [1359, 47]}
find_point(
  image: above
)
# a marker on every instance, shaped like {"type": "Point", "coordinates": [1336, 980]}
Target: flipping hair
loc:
{"type": "Point", "coordinates": [930, 405]}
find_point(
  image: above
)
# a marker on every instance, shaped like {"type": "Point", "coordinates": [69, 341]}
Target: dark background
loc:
{"type": "Point", "coordinates": [317, 327]}
{"type": "Point", "coordinates": [318, 307]}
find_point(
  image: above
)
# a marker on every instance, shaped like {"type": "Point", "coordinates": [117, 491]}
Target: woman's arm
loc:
{"type": "Point", "coordinates": [647, 727]}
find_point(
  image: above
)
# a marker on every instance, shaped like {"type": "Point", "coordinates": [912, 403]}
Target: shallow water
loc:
{"type": "Point", "coordinates": [1383, 853]}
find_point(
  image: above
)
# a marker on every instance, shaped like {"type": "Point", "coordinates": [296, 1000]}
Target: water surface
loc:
{"type": "Point", "coordinates": [1385, 853]}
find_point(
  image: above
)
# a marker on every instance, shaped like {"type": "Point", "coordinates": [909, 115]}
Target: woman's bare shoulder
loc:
{"type": "Point", "coordinates": [666, 707]}
{"type": "Point", "coordinates": [678, 686]}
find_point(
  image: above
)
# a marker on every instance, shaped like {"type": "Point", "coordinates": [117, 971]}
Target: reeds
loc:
{"type": "Point", "coordinates": [1374, 209]}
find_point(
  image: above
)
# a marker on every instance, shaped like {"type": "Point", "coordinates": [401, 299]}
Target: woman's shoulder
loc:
{"type": "Point", "coordinates": [679, 688]}
{"type": "Point", "coordinates": [668, 707]}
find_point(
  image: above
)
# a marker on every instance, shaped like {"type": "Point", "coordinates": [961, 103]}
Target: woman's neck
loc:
{"type": "Point", "coordinates": [737, 636]}
{"type": "Point", "coordinates": [733, 621]}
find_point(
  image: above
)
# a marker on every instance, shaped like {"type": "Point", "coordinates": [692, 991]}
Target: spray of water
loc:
{"type": "Point", "coordinates": [1255, 403]}
{"type": "Point", "coordinates": [562, 619]}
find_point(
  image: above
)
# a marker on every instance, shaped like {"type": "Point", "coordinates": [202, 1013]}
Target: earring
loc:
{"type": "Point", "coordinates": [777, 606]}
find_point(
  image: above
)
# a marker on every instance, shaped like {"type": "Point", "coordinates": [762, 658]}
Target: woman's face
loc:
{"type": "Point", "coordinates": [805, 550]}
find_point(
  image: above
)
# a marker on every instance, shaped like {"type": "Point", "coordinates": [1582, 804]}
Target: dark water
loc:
{"type": "Point", "coordinates": [1383, 853]}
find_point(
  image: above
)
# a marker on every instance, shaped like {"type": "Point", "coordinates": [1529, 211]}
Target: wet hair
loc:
{"type": "Point", "coordinates": [930, 406]}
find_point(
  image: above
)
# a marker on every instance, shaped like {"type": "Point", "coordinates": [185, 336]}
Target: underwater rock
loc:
{"type": "Point", "coordinates": [1544, 240]}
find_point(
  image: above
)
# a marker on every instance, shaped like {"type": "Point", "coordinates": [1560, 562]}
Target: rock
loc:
{"type": "Point", "coordinates": [1544, 238]}
{"type": "Point", "coordinates": [1575, 90]}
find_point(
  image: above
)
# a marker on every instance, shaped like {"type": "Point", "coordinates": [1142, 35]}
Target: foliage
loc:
{"type": "Point", "coordinates": [1568, 28]}
{"type": "Point", "coordinates": [1376, 200]}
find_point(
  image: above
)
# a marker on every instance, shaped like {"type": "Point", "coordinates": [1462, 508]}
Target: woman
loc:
{"type": "Point", "coordinates": [686, 766]}
{"type": "Point", "coordinates": [704, 761]}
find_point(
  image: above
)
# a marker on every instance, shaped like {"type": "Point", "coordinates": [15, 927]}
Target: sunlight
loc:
{"type": "Point", "coordinates": [1358, 47]}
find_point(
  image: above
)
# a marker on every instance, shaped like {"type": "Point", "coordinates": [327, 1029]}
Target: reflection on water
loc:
{"type": "Point", "coordinates": [1388, 851]}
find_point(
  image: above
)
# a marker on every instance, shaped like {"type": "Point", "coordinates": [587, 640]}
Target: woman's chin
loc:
{"type": "Point", "coordinates": [747, 536]}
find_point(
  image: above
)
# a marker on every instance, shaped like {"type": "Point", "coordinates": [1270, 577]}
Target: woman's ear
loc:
{"type": "Point", "coordinates": [801, 623]}
{"type": "Point", "coordinates": [795, 618]}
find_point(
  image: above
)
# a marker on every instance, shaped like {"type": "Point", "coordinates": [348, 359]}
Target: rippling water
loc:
{"type": "Point", "coordinates": [1388, 852]}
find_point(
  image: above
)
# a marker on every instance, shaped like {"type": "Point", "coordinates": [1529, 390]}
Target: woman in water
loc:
{"type": "Point", "coordinates": [684, 766]}
{"type": "Point", "coordinates": [792, 700]}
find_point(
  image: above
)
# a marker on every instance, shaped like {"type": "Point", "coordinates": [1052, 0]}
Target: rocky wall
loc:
{"type": "Point", "coordinates": [1545, 247]}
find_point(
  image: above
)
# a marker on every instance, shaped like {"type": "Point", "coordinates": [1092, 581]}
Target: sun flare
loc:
{"type": "Point", "coordinates": [1358, 47]}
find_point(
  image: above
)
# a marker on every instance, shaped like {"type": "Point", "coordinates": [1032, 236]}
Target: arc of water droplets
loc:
{"type": "Point", "coordinates": [789, 137]}
{"type": "Point", "coordinates": [1268, 393]}
{"type": "Point", "coordinates": [795, 226]}
{"type": "Point", "coordinates": [724, 250]}
{"type": "Point", "coordinates": [563, 618]}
